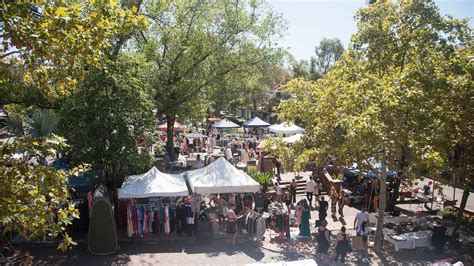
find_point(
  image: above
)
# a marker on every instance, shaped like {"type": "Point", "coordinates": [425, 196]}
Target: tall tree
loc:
{"type": "Point", "coordinates": [196, 45]}
{"type": "Point", "coordinates": [328, 52]}
{"type": "Point", "coordinates": [109, 110]}
{"type": "Point", "coordinates": [367, 106]}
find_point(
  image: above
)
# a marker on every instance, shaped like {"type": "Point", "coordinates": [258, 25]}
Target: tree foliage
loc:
{"type": "Point", "coordinates": [195, 46]}
{"type": "Point", "coordinates": [384, 98]}
{"type": "Point", "coordinates": [34, 198]}
{"type": "Point", "coordinates": [47, 43]}
{"type": "Point", "coordinates": [111, 108]}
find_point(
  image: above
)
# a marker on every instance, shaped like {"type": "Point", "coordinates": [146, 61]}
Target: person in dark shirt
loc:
{"type": "Point", "coordinates": [438, 239]}
{"type": "Point", "coordinates": [323, 208]}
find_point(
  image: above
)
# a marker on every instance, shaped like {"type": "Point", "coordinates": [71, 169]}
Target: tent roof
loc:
{"type": "Point", "coordinates": [195, 135]}
{"type": "Point", "coordinates": [293, 138]}
{"type": "Point", "coordinates": [221, 177]}
{"type": "Point", "coordinates": [225, 124]}
{"type": "Point", "coordinates": [177, 126]}
{"type": "Point", "coordinates": [153, 184]}
{"type": "Point", "coordinates": [256, 122]}
{"type": "Point", "coordinates": [285, 129]}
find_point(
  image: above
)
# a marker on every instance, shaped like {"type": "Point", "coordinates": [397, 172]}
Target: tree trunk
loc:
{"type": "Point", "coordinates": [170, 119]}
{"type": "Point", "coordinates": [382, 202]}
{"type": "Point", "coordinates": [462, 206]}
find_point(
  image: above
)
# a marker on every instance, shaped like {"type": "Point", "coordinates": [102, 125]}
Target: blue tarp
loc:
{"type": "Point", "coordinates": [80, 183]}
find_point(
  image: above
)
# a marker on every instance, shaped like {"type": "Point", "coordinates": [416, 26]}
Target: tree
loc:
{"type": "Point", "coordinates": [198, 45]}
{"type": "Point", "coordinates": [34, 198]}
{"type": "Point", "coordinates": [368, 105]}
{"type": "Point", "coordinates": [328, 52]}
{"type": "Point", "coordinates": [47, 43]}
{"type": "Point", "coordinates": [111, 108]}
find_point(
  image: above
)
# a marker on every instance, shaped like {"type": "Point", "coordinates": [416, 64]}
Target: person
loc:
{"type": "Point", "coordinates": [361, 217]}
{"type": "Point", "coordinates": [341, 202]}
{"type": "Point", "coordinates": [334, 196]}
{"type": "Point", "coordinates": [318, 188]}
{"type": "Point", "coordinates": [287, 197]}
{"type": "Point", "coordinates": [323, 208]}
{"type": "Point", "coordinates": [244, 153]}
{"type": "Point", "coordinates": [342, 245]}
{"type": "Point", "coordinates": [278, 191]}
{"type": "Point", "coordinates": [293, 186]}
{"type": "Point", "coordinates": [427, 189]}
{"type": "Point", "coordinates": [231, 199]}
{"type": "Point", "coordinates": [363, 230]}
{"type": "Point", "coordinates": [298, 213]}
{"type": "Point", "coordinates": [309, 190]}
{"type": "Point", "coordinates": [248, 201]}
{"type": "Point", "coordinates": [232, 219]}
{"type": "Point", "coordinates": [277, 166]}
{"type": "Point", "coordinates": [323, 239]}
{"type": "Point", "coordinates": [228, 154]}
{"type": "Point", "coordinates": [199, 161]}
{"type": "Point", "coordinates": [221, 211]}
{"type": "Point", "coordinates": [376, 202]}
{"type": "Point", "coordinates": [438, 239]}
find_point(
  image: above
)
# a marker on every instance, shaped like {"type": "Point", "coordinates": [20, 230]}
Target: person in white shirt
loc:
{"type": "Point", "coordinates": [279, 192]}
{"type": "Point", "coordinates": [228, 154]}
{"type": "Point", "coordinates": [362, 216]}
{"type": "Point", "coordinates": [309, 190]}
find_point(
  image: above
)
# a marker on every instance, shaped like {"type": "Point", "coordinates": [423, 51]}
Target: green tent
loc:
{"type": "Point", "coordinates": [102, 238]}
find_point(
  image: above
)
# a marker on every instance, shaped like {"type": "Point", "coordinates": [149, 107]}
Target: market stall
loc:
{"type": "Point", "coordinates": [285, 128]}
{"type": "Point", "coordinates": [221, 177]}
{"type": "Point", "coordinates": [157, 204]}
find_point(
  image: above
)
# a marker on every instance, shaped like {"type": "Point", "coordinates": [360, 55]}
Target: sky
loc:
{"type": "Point", "coordinates": [309, 21]}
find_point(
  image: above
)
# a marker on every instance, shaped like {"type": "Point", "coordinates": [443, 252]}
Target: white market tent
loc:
{"type": "Point", "coordinates": [225, 124]}
{"type": "Point", "coordinates": [293, 138]}
{"type": "Point", "coordinates": [256, 122]}
{"type": "Point", "coordinates": [221, 177]}
{"type": "Point", "coordinates": [153, 184]}
{"type": "Point", "coordinates": [285, 129]}
{"type": "Point", "coordinates": [195, 135]}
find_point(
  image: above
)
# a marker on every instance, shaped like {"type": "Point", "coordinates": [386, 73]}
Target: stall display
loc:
{"type": "Point", "coordinates": [254, 224]}
{"type": "Point", "coordinates": [412, 240]}
{"type": "Point", "coordinates": [281, 219]}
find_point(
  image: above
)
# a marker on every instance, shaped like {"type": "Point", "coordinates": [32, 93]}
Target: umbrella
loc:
{"type": "Point", "coordinates": [256, 122]}
{"type": "Point", "coordinates": [225, 124]}
{"type": "Point", "coordinates": [285, 129]}
{"type": "Point", "coordinates": [195, 135]}
{"type": "Point", "coordinates": [293, 139]}
{"type": "Point", "coordinates": [177, 127]}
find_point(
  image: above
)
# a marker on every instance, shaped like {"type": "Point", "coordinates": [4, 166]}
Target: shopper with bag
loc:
{"type": "Point", "coordinates": [232, 219]}
{"type": "Point", "coordinates": [343, 245]}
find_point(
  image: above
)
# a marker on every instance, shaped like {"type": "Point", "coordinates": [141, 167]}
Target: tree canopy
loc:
{"type": "Point", "coordinates": [381, 100]}
{"type": "Point", "coordinates": [196, 46]}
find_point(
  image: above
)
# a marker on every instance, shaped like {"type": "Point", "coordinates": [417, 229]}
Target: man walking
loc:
{"type": "Point", "coordinates": [309, 190]}
{"type": "Point", "coordinates": [361, 217]}
{"type": "Point", "coordinates": [323, 209]}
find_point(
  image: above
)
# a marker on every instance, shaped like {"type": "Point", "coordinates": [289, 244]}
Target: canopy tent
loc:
{"type": "Point", "coordinates": [221, 177]}
{"type": "Point", "coordinates": [177, 127]}
{"type": "Point", "coordinates": [225, 124]}
{"type": "Point", "coordinates": [293, 138]}
{"type": "Point", "coordinates": [285, 129]}
{"type": "Point", "coordinates": [195, 135]}
{"type": "Point", "coordinates": [256, 122]}
{"type": "Point", "coordinates": [153, 184]}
